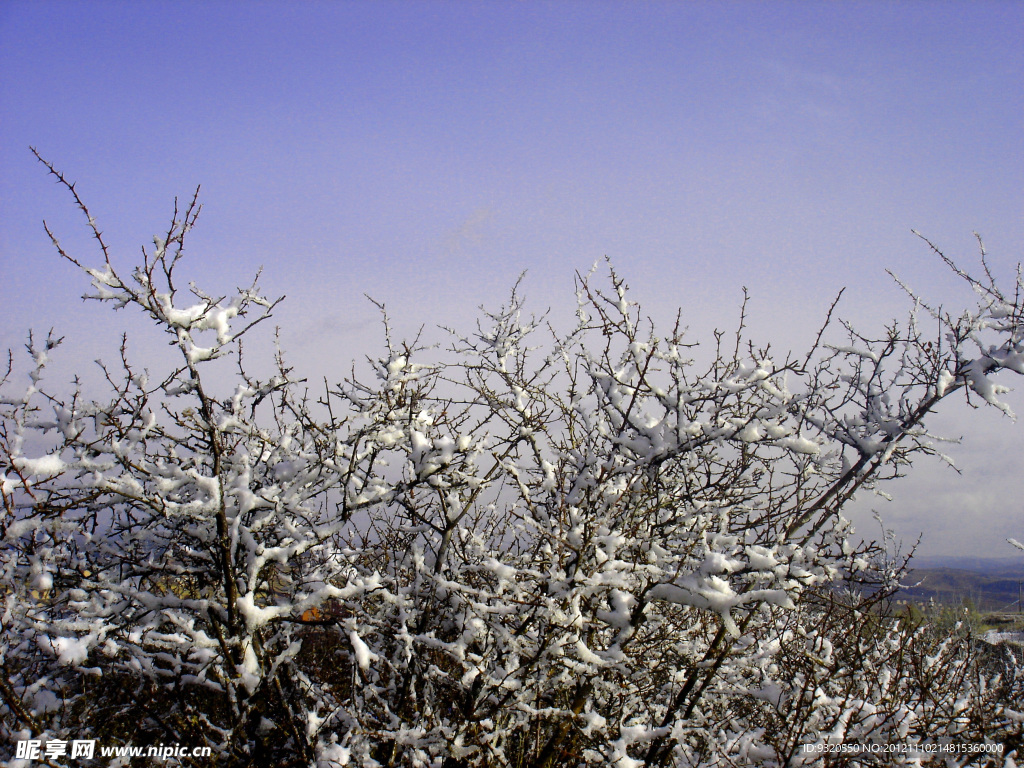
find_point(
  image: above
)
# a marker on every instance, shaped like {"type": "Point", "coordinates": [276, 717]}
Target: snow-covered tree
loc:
{"type": "Point", "coordinates": [538, 548]}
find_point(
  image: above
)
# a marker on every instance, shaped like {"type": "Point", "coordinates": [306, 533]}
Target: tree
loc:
{"type": "Point", "coordinates": [543, 548]}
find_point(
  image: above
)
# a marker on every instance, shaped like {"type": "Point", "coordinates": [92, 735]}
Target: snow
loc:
{"type": "Point", "coordinates": [942, 385]}
{"type": "Point", "coordinates": [760, 558]}
{"type": "Point", "coordinates": [68, 650]}
{"type": "Point", "coordinates": [364, 656]}
{"type": "Point", "coordinates": [218, 319]}
{"type": "Point", "coordinates": [256, 616]}
{"type": "Point", "coordinates": [333, 756]}
{"type": "Point", "coordinates": [801, 445]}
{"type": "Point", "coordinates": [776, 431]}
{"type": "Point", "coordinates": [751, 433]}
{"type": "Point", "coordinates": [588, 656]}
{"type": "Point", "coordinates": [45, 465]}
{"type": "Point", "coordinates": [42, 581]}
{"type": "Point", "coordinates": [249, 670]}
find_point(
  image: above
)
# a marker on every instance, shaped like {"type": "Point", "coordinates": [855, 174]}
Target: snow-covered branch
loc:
{"type": "Point", "coordinates": [536, 548]}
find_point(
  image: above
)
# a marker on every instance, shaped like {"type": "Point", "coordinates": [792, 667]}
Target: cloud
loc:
{"type": "Point", "coordinates": [471, 234]}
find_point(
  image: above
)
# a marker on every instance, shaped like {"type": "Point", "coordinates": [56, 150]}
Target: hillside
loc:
{"type": "Point", "coordinates": [989, 585]}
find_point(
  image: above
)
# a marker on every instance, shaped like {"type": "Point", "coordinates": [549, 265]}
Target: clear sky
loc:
{"type": "Point", "coordinates": [428, 152]}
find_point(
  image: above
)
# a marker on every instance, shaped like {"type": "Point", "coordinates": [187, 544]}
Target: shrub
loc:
{"type": "Point", "coordinates": [577, 548]}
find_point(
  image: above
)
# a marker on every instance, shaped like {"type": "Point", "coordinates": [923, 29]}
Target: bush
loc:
{"type": "Point", "coordinates": [574, 548]}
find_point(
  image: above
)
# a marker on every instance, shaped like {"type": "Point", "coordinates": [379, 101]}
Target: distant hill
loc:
{"type": "Point", "coordinates": [1011, 567]}
{"type": "Point", "coordinates": [990, 585]}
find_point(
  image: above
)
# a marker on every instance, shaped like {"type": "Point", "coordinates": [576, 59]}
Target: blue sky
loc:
{"type": "Point", "coordinates": [428, 152]}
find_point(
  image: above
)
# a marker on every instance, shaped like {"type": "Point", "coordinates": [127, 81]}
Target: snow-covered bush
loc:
{"type": "Point", "coordinates": [540, 548]}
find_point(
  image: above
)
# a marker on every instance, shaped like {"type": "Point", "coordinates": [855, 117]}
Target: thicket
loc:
{"type": "Point", "coordinates": [535, 549]}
